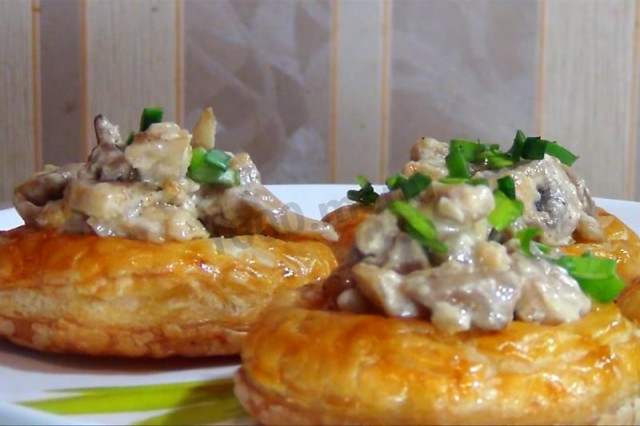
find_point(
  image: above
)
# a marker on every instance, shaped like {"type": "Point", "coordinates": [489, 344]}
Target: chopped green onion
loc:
{"type": "Point", "coordinates": [218, 159]}
{"type": "Point", "coordinates": [479, 181]}
{"type": "Point", "coordinates": [418, 226]}
{"type": "Point", "coordinates": [457, 164]}
{"type": "Point", "coordinates": [211, 168]}
{"type": "Point", "coordinates": [499, 161]}
{"type": "Point", "coordinates": [526, 237]}
{"type": "Point", "coordinates": [597, 276]}
{"type": "Point", "coordinates": [515, 152]}
{"type": "Point", "coordinates": [468, 149]}
{"type": "Point", "coordinates": [534, 148]}
{"type": "Point", "coordinates": [433, 245]}
{"type": "Point", "coordinates": [228, 178]}
{"type": "Point", "coordinates": [508, 186]}
{"type": "Point", "coordinates": [565, 156]}
{"type": "Point", "coordinates": [474, 182]}
{"type": "Point", "coordinates": [129, 140]}
{"type": "Point", "coordinates": [505, 211]}
{"type": "Point", "coordinates": [210, 175]}
{"type": "Point", "coordinates": [454, 181]}
{"type": "Point", "coordinates": [415, 185]}
{"type": "Point", "coordinates": [394, 182]}
{"type": "Point", "coordinates": [365, 195]}
{"type": "Point", "coordinates": [149, 117]}
{"type": "Point", "coordinates": [197, 157]}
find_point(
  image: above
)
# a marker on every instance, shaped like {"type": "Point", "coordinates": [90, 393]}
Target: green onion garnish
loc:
{"type": "Point", "coordinates": [418, 226]}
{"type": "Point", "coordinates": [394, 182]}
{"type": "Point", "coordinates": [149, 117]}
{"type": "Point", "coordinates": [457, 163]}
{"type": "Point", "coordinates": [518, 144]}
{"type": "Point", "coordinates": [565, 156]}
{"type": "Point", "coordinates": [597, 276]}
{"type": "Point", "coordinates": [498, 161]}
{"type": "Point", "coordinates": [505, 211]}
{"type": "Point", "coordinates": [365, 195]}
{"type": "Point", "coordinates": [415, 185]}
{"type": "Point", "coordinates": [212, 167]}
{"type": "Point", "coordinates": [526, 237]}
{"type": "Point", "coordinates": [468, 149]}
{"type": "Point", "coordinates": [508, 186]}
{"type": "Point", "coordinates": [474, 182]}
{"type": "Point", "coordinates": [218, 159]}
{"type": "Point", "coordinates": [534, 148]}
{"type": "Point", "coordinates": [411, 186]}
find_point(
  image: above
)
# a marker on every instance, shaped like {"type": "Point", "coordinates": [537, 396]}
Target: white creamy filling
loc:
{"type": "Point", "coordinates": [481, 284]}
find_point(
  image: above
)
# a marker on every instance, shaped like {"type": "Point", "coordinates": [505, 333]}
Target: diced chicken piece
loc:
{"type": "Point", "coordinates": [382, 288]}
{"type": "Point", "coordinates": [108, 200]}
{"type": "Point", "coordinates": [132, 210]}
{"type": "Point", "coordinates": [162, 152]}
{"type": "Point", "coordinates": [462, 202]}
{"type": "Point", "coordinates": [247, 170]}
{"type": "Point", "coordinates": [460, 297]}
{"type": "Point", "coordinates": [549, 294]}
{"type": "Point", "coordinates": [163, 223]}
{"type": "Point", "coordinates": [254, 204]}
{"type": "Point", "coordinates": [374, 237]}
{"type": "Point", "coordinates": [492, 256]}
{"type": "Point", "coordinates": [406, 255]}
{"type": "Point", "coordinates": [428, 157]}
{"type": "Point", "coordinates": [32, 196]}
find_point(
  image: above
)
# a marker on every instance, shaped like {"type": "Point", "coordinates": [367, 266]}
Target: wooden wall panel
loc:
{"type": "Point", "coordinates": [18, 120]}
{"type": "Point", "coordinates": [131, 60]}
{"type": "Point", "coordinates": [324, 90]}
{"type": "Point", "coordinates": [586, 99]}
{"type": "Point", "coordinates": [359, 73]}
{"type": "Point", "coordinates": [61, 81]}
{"type": "Point", "coordinates": [635, 106]}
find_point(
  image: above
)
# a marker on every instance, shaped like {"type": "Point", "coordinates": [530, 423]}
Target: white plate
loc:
{"type": "Point", "coordinates": [27, 375]}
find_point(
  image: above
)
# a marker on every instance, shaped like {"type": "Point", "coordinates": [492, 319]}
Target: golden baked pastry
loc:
{"type": "Point", "coordinates": [158, 246]}
{"type": "Point", "coordinates": [302, 366]}
{"type": "Point", "coordinates": [116, 296]}
{"type": "Point", "coordinates": [485, 298]}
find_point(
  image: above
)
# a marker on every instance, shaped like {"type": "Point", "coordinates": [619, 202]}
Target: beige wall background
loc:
{"type": "Point", "coordinates": [323, 90]}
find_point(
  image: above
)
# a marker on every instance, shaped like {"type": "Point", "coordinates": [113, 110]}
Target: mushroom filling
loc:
{"type": "Point", "coordinates": [468, 238]}
{"type": "Point", "coordinates": [555, 200]}
{"type": "Point", "coordinates": [161, 184]}
{"type": "Point", "coordinates": [477, 284]}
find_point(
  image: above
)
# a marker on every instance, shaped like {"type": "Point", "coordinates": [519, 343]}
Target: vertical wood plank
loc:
{"type": "Point", "coordinates": [131, 60]}
{"type": "Point", "coordinates": [586, 87]}
{"type": "Point", "coordinates": [358, 130]}
{"type": "Point", "coordinates": [61, 80]}
{"type": "Point", "coordinates": [635, 106]}
{"type": "Point", "coordinates": [17, 92]}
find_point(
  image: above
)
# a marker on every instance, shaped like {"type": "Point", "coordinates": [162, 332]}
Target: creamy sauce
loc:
{"type": "Point", "coordinates": [555, 200]}
{"type": "Point", "coordinates": [142, 191]}
{"type": "Point", "coordinates": [479, 284]}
